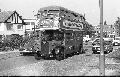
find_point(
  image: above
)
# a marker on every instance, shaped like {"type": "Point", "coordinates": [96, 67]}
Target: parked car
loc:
{"type": "Point", "coordinates": [97, 40]}
{"type": "Point", "coordinates": [116, 41]}
{"type": "Point", "coordinates": [107, 46]}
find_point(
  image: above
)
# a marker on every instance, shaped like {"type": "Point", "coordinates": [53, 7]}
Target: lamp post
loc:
{"type": "Point", "coordinates": [102, 55]}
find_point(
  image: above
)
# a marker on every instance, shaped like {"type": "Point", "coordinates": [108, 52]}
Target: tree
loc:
{"type": "Point", "coordinates": [88, 29]}
{"type": "Point", "coordinates": [117, 25]}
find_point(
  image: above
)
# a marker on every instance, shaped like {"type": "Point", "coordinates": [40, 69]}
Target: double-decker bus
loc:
{"type": "Point", "coordinates": [59, 33]}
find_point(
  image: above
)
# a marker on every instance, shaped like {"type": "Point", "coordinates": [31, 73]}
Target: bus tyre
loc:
{"type": "Point", "coordinates": [60, 54]}
{"type": "Point", "coordinates": [37, 57]}
{"type": "Point", "coordinates": [59, 57]}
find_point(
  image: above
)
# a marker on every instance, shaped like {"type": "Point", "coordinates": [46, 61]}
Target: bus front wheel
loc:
{"type": "Point", "coordinates": [37, 56]}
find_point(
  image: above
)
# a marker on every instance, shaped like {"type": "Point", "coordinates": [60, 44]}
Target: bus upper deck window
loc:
{"type": "Point", "coordinates": [69, 34]}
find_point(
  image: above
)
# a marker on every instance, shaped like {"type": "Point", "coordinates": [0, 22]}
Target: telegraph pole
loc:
{"type": "Point", "coordinates": [102, 55]}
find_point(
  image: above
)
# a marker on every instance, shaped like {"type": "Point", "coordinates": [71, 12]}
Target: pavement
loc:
{"type": "Point", "coordinates": [95, 72]}
{"type": "Point", "coordinates": [9, 54]}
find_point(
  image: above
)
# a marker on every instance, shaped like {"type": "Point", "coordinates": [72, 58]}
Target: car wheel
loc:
{"type": "Point", "coordinates": [94, 52]}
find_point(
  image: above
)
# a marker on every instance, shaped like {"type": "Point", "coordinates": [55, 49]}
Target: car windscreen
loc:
{"type": "Point", "coordinates": [97, 40]}
{"type": "Point", "coordinates": [107, 42]}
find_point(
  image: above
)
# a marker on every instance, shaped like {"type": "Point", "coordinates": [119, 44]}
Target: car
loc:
{"type": "Point", "coordinates": [107, 46]}
{"type": "Point", "coordinates": [116, 41]}
{"type": "Point", "coordinates": [97, 40]}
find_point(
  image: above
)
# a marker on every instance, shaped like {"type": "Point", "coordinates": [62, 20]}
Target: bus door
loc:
{"type": "Point", "coordinates": [78, 36]}
{"type": "Point", "coordinates": [69, 41]}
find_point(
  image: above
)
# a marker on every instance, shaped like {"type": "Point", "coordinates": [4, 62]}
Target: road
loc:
{"type": "Point", "coordinates": [78, 65]}
{"type": "Point", "coordinates": [28, 66]}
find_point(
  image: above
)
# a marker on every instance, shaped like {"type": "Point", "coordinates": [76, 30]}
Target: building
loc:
{"type": "Point", "coordinates": [108, 30]}
{"type": "Point", "coordinates": [11, 23]}
{"type": "Point", "coordinates": [29, 25]}
{"type": "Point", "coordinates": [88, 29]}
{"type": "Point", "coordinates": [117, 27]}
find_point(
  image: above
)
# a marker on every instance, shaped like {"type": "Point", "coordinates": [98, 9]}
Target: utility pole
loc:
{"type": "Point", "coordinates": [102, 55]}
{"type": "Point", "coordinates": [34, 16]}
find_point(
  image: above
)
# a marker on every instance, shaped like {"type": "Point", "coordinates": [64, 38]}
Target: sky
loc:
{"type": "Point", "coordinates": [28, 8]}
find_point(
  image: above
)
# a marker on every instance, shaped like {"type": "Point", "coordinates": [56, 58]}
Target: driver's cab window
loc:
{"type": "Point", "coordinates": [98, 40]}
{"type": "Point", "coordinates": [69, 35]}
{"type": "Point", "coordinates": [46, 36]}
